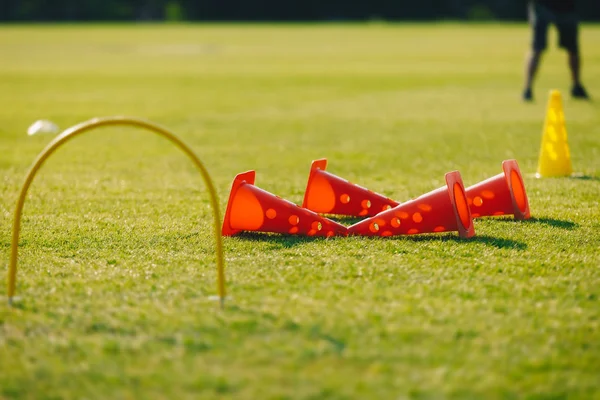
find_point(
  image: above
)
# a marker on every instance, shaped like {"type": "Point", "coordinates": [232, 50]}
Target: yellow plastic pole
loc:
{"type": "Point", "coordinates": [97, 123]}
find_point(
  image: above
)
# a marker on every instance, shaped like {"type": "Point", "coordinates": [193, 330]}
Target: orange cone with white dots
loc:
{"type": "Point", "coordinates": [503, 194]}
{"type": "Point", "coordinates": [329, 194]}
{"type": "Point", "coordinates": [252, 209]}
{"type": "Point", "coordinates": [442, 210]}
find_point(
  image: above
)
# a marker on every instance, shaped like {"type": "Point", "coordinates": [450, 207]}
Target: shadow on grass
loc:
{"type": "Point", "coordinates": [585, 178]}
{"type": "Point", "coordinates": [498, 242]}
{"type": "Point", "coordinates": [285, 241]}
{"type": "Point", "coordinates": [291, 241]}
{"type": "Point", "coordinates": [557, 223]}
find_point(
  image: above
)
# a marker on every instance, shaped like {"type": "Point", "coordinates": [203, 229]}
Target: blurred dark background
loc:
{"type": "Point", "coordinates": [273, 10]}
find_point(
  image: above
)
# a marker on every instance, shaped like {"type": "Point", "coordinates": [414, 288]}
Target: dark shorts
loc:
{"type": "Point", "coordinates": [566, 24]}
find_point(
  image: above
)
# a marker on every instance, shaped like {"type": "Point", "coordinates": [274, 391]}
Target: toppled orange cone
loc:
{"type": "Point", "coordinates": [327, 193]}
{"type": "Point", "coordinates": [503, 194]}
{"type": "Point", "coordinates": [252, 209]}
{"type": "Point", "coordinates": [442, 210]}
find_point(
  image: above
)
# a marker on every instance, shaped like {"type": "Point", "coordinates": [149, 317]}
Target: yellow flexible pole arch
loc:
{"type": "Point", "coordinates": [97, 123]}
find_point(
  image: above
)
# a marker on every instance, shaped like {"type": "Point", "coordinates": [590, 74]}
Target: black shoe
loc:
{"type": "Point", "coordinates": [578, 92]}
{"type": "Point", "coordinates": [527, 95]}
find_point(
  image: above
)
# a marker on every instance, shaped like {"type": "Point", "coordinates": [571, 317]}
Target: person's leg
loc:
{"type": "Point", "coordinates": [575, 67]}
{"type": "Point", "coordinates": [577, 90]}
{"type": "Point", "coordinates": [569, 40]}
{"type": "Point", "coordinates": [531, 66]}
{"type": "Point", "coordinates": [539, 24]}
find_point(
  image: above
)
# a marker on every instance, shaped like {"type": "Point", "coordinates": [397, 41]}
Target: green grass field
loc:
{"type": "Point", "coordinates": [117, 256]}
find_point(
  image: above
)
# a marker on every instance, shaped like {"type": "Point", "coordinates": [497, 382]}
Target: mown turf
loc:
{"type": "Point", "coordinates": [117, 255]}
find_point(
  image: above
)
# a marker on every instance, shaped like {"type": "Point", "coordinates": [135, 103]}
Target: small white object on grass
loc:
{"type": "Point", "coordinates": [220, 299]}
{"type": "Point", "coordinates": [13, 300]}
{"type": "Point", "coordinates": [42, 126]}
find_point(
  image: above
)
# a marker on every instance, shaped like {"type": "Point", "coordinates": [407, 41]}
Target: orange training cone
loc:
{"type": "Point", "coordinates": [441, 210]}
{"type": "Point", "coordinates": [501, 194]}
{"type": "Point", "coordinates": [329, 194]}
{"type": "Point", "coordinates": [252, 209]}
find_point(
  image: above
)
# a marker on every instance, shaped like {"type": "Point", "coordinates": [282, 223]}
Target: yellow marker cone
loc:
{"type": "Point", "coordinates": [555, 158]}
